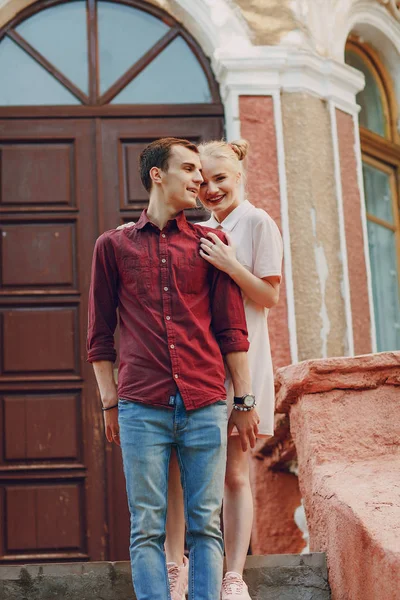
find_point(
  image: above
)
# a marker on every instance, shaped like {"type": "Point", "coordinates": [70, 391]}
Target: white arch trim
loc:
{"type": "Point", "coordinates": [214, 23]}
{"type": "Point", "coordinates": [372, 14]}
{"type": "Point", "coordinates": [375, 25]}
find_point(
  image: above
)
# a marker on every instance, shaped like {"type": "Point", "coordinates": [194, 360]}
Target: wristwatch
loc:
{"type": "Point", "coordinates": [244, 403]}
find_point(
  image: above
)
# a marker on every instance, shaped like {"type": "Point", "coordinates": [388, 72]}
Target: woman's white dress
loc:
{"type": "Point", "coordinates": [259, 248]}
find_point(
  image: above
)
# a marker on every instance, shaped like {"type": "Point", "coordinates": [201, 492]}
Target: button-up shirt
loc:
{"type": "Point", "coordinates": [177, 313]}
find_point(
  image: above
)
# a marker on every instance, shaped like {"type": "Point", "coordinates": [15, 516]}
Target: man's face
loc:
{"type": "Point", "coordinates": [181, 183]}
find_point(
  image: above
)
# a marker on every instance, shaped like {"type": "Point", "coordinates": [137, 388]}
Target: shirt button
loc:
{"type": "Point", "coordinates": [165, 289]}
{"type": "Point", "coordinates": [168, 317]}
{"type": "Point", "coordinates": [172, 346]}
{"type": "Point", "coordinates": [176, 375]}
{"type": "Point", "coordinates": [163, 260]}
{"type": "Point", "coordinates": [163, 235]}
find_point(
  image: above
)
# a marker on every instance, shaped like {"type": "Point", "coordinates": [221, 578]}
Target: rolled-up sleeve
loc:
{"type": "Point", "coordinates": [103, 302]}
{"type": "Point", "coordinates": [228, 316]}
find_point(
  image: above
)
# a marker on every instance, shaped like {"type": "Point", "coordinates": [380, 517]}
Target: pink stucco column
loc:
{"type": "Point", "coordinates": [345, 422]}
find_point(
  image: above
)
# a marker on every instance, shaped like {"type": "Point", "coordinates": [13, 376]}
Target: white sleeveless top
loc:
{"type": "Point", "coordinates": [259, 248]}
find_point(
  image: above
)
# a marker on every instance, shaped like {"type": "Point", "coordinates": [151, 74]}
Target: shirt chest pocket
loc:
{"type": "Point", "coordinates": [138, 275]}
{"type": "Point", "coordinates": [192, 274]}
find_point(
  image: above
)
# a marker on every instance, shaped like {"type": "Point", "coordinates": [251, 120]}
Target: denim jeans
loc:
{"type": "Point", "coordinates": [199, 436]}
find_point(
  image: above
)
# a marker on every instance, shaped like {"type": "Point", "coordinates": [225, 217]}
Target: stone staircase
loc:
{"type": "Point", "coordinates": [271, 577]}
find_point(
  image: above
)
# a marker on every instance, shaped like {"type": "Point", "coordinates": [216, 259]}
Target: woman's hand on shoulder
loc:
{"type": "Point", "coordinates": [222, 256]}
{"type": "Point", "coordinates": [124, 225]}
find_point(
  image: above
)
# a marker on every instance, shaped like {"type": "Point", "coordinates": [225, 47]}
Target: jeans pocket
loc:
{"type": "Point", "coordinates": [221, 403]}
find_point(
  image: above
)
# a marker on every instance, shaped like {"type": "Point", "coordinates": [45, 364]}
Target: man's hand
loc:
{"type": "Point", "coordinates": [247, 425]}
{"type": "Point", "coordinates": [111, 425]}
{"type": "Point", "coordinates": [104, 372]}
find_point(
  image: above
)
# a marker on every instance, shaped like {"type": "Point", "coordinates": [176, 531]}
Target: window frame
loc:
{"type": "Point", "coordinates": [95, 104]}
{"type": "Point", "coordinates": [371, 59]}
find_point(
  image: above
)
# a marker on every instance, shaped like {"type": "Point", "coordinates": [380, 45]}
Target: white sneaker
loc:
{"type": "Point", "coordinates": [234, 588]}
{"type": "Point", "coordinates": [178, 579]}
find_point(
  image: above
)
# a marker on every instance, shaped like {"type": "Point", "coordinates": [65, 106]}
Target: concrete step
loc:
{"type": "Point", "coordinates": [271, 577]}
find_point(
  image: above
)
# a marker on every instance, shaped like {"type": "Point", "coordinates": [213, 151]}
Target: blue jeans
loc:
{"type": "Point", "coordinates": [199, 436]}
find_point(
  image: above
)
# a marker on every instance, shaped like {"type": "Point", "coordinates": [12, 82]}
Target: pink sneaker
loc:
{"type": "Point", "coordinates": [234, 588]}
{"type": "Point", "coordinates": [178, 579]}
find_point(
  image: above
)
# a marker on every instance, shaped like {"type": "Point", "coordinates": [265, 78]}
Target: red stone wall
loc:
{"type": "Point", "coordinates": [354, 235]}
{"type": "Point", "coordinates": [258, 127]}
{"type": "Point", "coordinates": [344, 418]}
{"type": "Point", "coordinates": [276, 495]}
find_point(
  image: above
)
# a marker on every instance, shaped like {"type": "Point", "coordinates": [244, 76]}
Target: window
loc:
{"type": "Point", "coordinates": [96, 52]}
{"type": "Point", "coordinates": [381, 172]}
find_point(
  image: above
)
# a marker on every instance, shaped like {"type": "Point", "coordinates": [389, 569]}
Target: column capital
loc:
{"type": "Point", "coordinates": [265, 70]}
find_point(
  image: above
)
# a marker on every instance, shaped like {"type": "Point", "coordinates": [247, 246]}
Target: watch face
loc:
{"type": "Point", "coordinates": [248, 401]}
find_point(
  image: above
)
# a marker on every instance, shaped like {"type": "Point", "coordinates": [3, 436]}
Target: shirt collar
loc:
{"type": "Point", "coordinates": [229, 223]}
{"type": "Point", "coordinates": [180, 221]}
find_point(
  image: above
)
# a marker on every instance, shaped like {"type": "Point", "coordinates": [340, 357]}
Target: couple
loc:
{"type": "Point", "coordinates": [177, 287]}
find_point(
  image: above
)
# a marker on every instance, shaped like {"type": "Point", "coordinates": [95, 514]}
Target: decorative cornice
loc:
{"type": "Point", "coordinates": [393, 6]}
{"type": "Point", "coordinates": [268, 69]}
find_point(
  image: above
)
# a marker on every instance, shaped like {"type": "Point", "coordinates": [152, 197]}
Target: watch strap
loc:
{"type": "Point", "coordinates": [240, 399]}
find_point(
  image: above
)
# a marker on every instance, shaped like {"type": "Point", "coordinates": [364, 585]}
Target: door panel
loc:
{"type": "Point", "coordinates": [25, 251]}
{"type": "Point", "coordinates": [37, 174]}
{"type": "Point", "coordinates": [124, 198]}
{"type": "Point", "coordinates": [122, 140]}
{"type": "Point", "coordinates": [52, 494]}
{"type": "Point", "coordinates": [53, 464]}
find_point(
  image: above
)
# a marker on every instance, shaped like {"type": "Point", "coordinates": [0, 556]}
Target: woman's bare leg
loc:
{"type": "Point", "coordinates": [175, 528]}
{"type": "Point", "coordinates": [238, 506]}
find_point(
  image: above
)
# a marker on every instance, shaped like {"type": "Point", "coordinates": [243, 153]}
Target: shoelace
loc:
{"type": "Point", "coordinates": [229, 582]}
{"type": "Point", "coordinates": [173, 574]}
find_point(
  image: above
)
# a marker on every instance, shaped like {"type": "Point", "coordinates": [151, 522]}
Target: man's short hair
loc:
{"type": "Point", "coordinates": [157, 154]}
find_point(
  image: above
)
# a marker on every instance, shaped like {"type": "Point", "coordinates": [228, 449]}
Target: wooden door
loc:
{"type": "Point", "coordinates": [51, 453]}
{"type": "Point", "coordinates": [122, 198]}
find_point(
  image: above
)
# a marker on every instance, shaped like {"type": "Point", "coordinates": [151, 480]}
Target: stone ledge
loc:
{"type": "Point", "coordinates": [367, 371]}
{"type": "Point", "coordinates": [344, 416]}
{"type": "Point", "coordinates": [289, 576]}
{"type": "Point", "coordinates": [355, 513]}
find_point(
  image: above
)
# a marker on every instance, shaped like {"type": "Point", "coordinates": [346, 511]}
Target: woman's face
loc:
{"type": "Point", "coordinates": [220, 190]}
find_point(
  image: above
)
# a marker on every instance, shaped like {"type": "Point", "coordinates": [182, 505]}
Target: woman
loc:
{"type": "Point", "coordinates": [256, 267]}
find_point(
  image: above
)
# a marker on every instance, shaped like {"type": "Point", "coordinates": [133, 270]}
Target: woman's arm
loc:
{"type": "Point", "coordinates": [262, 291]}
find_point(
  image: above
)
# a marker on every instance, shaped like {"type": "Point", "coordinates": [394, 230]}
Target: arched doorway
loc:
{"type": "Point", "coordinates": [85, 85]}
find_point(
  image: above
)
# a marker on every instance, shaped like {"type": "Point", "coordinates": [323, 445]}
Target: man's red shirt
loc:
{"type": "Point", "coordinates": [177, 313]}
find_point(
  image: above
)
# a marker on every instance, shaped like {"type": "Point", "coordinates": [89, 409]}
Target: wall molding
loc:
{"type": "Point", "coordinates": [267, 69]}
{"type": "Point", "coordinates": [393, 6]}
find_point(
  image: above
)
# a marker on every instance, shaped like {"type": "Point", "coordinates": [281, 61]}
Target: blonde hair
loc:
{"type": "Point", "coordinates": [235, 151]}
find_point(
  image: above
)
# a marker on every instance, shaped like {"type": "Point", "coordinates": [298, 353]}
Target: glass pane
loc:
{"type": "Point", "coordinates": [174, 77]}
{"type": "Point", "coordinates": [378, 196]}
{"type": "Point", "coordinates": [60, 35]}
{"type": "Point", "coordinates": [372, 115]}
{"type": "Point", "coordinates": [125, 34]}
{"type": "Point", "coordinates": [24, 82]}
{"type": "Point", "coordinates": [385, 286]}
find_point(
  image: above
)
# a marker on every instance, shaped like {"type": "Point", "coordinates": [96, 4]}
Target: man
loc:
{"type": "Point", "coordinates": [177, 314]}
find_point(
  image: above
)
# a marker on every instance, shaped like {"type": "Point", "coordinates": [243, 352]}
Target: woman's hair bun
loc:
{"type": "Point", "coordinates": [240, 148]}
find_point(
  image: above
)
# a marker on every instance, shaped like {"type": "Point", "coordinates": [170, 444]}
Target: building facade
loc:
{"type": "Point", "coordinates": [84, 85]}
